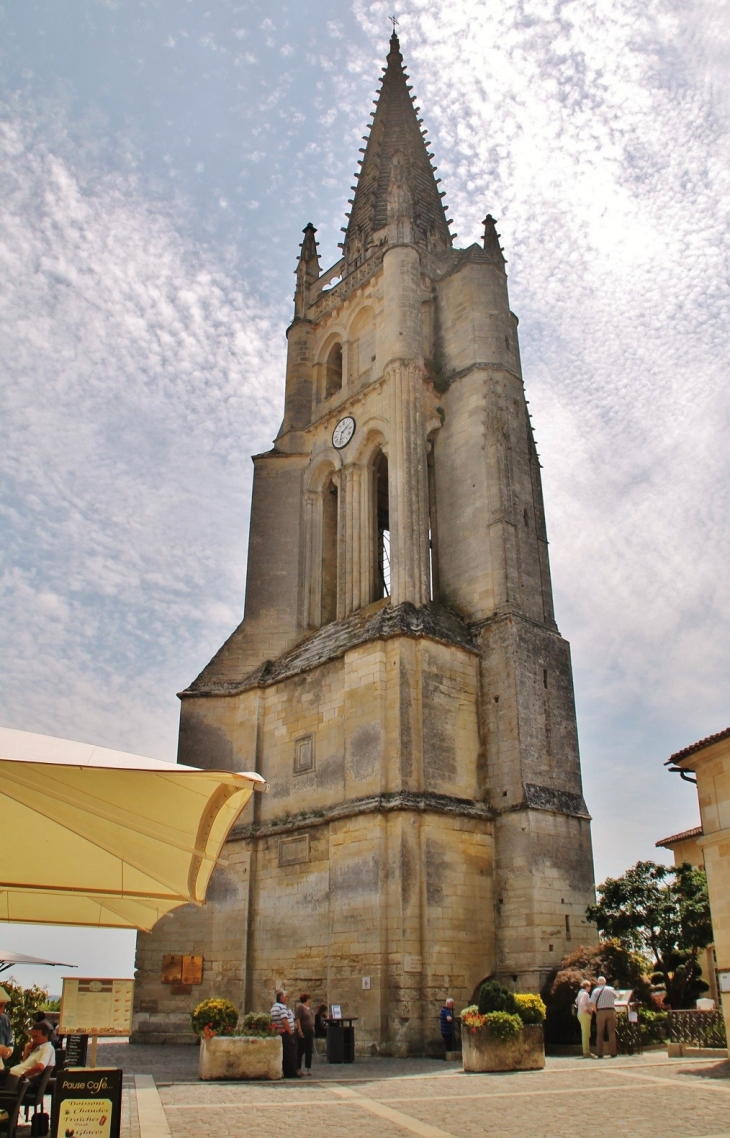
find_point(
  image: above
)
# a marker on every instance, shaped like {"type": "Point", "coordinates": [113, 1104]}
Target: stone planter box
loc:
{"type": "Point", "coordinates": [240, 1057]}
{"type": "Point", "coordinates": [481, 1052]}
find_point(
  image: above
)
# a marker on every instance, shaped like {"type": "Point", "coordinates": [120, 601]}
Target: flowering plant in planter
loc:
{"type": "Point", "coordinates": [503, 1026]}
{"type": "Point", "coordinates": [530, 1008]}
{"type": "Point", "coordinates": [258, 1024]}
{"type": "Point", "coordinates": [214, 1017]}
{"type": "Point", "coordinates": [472, 1019]}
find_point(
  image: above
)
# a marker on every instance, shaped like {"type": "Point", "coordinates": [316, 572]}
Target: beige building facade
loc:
{"type": "Point", "coordinates": [710, 761]}
{"type": "Point", "coordinates": [398, 678]}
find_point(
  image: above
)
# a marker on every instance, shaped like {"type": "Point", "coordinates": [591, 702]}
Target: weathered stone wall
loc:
{"type": "Point", "coordinates": [385, 896]}
{"type": "Point", "coordinates": [375, 861]}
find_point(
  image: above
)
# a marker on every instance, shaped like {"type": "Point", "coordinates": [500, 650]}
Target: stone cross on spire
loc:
{"type": "Point", "coordinates": [395, 135]}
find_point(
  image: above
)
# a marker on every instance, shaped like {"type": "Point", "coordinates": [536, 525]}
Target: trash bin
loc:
{"type": "Point", "coordinates": [341, 1040]}
{"type": "Point", "coordinates": [335, 1041]}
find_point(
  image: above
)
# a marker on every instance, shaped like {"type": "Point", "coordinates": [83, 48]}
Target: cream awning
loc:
{"type": "Point", "coordinates": [102, 838]}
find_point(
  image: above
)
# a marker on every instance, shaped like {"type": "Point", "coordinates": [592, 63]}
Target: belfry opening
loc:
{"type": "Point", "coordinates": [329, 551]}
{"type": "Point", "coordinates": [382, 526]}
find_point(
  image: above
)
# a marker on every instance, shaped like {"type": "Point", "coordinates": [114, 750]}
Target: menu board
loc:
{"type": "Point", "coordinates": [87, 1104]}
{"type": "Point", "coordinates": [96, 1007]}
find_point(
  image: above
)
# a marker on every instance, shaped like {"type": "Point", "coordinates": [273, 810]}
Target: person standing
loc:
{"type": "Point", "coordinates": [305, 1032]}
{"type": "Point", "coordinates": [446, 1024]}
{"type": "Point", "coordinates": [7, 1043]}
{"type": "Point", "coordinates": [282, 1018]}
{"type": "Point", "coordinates": [603, 998]}
{"type": "Point", "coordinates": [585, 1014]}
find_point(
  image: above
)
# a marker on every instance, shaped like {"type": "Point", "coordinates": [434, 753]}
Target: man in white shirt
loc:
{"type": "Point", "coordinates": [603, 998]}
{"type": "Point", "coordinates": [37, 1055]}
{"type": "Point", "coordinates": [282, 1018]}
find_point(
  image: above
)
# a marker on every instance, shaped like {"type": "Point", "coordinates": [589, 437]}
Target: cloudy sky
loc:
{"type": "Point", "coordinates": [159, 161]}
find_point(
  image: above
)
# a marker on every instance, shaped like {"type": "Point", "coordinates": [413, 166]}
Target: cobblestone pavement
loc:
{"type": "Point", "coordinates": [647, 1096]}
{"type": "Point", "coordinates": [639, 1097]}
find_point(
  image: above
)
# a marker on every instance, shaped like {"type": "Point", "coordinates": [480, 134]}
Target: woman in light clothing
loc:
{"type": "Point", "coordinates": [585, 1011]}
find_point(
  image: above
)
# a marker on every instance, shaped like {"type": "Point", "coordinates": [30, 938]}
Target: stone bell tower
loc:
{"type": "Point", "coordinates": [398, 677]}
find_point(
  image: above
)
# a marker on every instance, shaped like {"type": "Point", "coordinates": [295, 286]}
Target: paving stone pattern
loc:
{"type": "Point", "coordinates": [638, 1097]}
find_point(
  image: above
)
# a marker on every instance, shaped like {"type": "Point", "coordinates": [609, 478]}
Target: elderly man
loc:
{"type": "Point", "coordinates": [282, 1018]}
{"type": "Point", "coordinates": [603, 998]}
{"type": "Point", "coordinates": [446, 1024]}
{"type": "Point", "coordinates": [7, 1043]}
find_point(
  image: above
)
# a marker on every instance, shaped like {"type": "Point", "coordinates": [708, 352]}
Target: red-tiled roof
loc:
{"type": "Point", "coordinates": [698, 746]}
{"type": "Point", "coordinates": [668, 843]}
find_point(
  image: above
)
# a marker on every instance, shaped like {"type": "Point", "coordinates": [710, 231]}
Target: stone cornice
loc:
{"type": "Point", "coordinates": [488, 365]}
{"type": "Point", "coordinates": [332, 641]}
{"type": "Point", "coordinates": [403, 800]}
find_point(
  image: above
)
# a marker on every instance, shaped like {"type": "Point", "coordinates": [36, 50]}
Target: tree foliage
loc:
{"type": "Point", "coordinates": [23, 1003]}
{"type": "Point", "coordinates": [663, 911]}
{"type": "Point", "coordinates": [611, 959]}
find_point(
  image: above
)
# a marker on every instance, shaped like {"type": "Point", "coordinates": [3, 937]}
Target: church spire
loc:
{"type": "Point", "coordinates": [396, 145]}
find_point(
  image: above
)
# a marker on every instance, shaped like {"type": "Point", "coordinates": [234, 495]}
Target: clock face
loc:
{"type": "Point", "coordinates": [343, 432]}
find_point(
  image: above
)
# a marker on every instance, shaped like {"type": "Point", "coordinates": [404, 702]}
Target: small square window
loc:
{"type": "Point", "coordinates": [304, 754]}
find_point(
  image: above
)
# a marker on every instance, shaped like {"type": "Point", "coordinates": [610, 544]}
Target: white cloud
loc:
{"type": "Point", "coordinates": [139, 374]}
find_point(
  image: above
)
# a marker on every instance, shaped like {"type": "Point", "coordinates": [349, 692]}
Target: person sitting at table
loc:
{"type": "Point", "coordinates": [37, 1055]}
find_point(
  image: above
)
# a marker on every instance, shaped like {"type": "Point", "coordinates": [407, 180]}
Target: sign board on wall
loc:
{"type": "Point", "coordinates": [87, 1104]}
{"type": "Point", "coordinates": [182, 970]}
{"type": "Point", "coordinates": [96, 1007]}
{"type": "Point", "coordinates": [724, 978]}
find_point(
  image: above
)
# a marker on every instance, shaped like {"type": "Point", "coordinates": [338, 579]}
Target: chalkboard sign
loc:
{"type": "Point", "coordinates": [87, 1104]}
{"type": "Point", "coordinates": [76, 1048]}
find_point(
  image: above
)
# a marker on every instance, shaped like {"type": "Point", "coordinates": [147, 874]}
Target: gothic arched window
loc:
{"type": "Point", "coordinates": [382, 526]}
{"type": "Point", "coordinates": [333, 371]}
{"type": "Point", "coordinates": [329, 552]}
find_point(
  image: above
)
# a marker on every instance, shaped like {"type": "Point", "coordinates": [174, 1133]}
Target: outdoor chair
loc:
{"type": "Point", "coordinates": [10, 1102]}
{"type": "Point", "coordinates": [60, 1065]}
{"type": "Point", "coordinates": [36, 1091]}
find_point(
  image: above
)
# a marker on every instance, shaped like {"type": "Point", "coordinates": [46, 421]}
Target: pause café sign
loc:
{"type": "Point", "coordinates": [87, 1104]}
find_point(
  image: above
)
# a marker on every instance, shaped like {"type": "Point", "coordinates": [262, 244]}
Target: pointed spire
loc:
{"type": "Point", "coordinates": [395, 134]}
{"type": "Point", "coordinates": [491, 241]}
{"type": "Point", "coordinates": [308, 269]}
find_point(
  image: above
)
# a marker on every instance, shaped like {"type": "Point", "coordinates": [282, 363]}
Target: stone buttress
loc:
{"type": "Point", "coordinates": [398, 677]}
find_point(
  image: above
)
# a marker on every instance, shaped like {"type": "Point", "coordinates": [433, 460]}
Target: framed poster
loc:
{"type": "Point", "coordinates": [87, 1104]}
{"type": "Point", "coordinates": [96, 1007]}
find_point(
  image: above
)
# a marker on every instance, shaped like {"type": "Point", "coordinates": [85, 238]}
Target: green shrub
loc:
{"type": "Point", "coordinates": [530, 1008]}
{"type": "Point", "coordinates": [503, 1026]}
{"type": "Point", "coordinates": [494, 997]}
{"type": "Point", "coordinates": [23, 1003]}
{"type": "Point", "coordinates": [258, 1023]}
{"type": "Point", "coordinates": [653, 1026]}
{"type": "Point", "coordinates": [214, 1017]}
